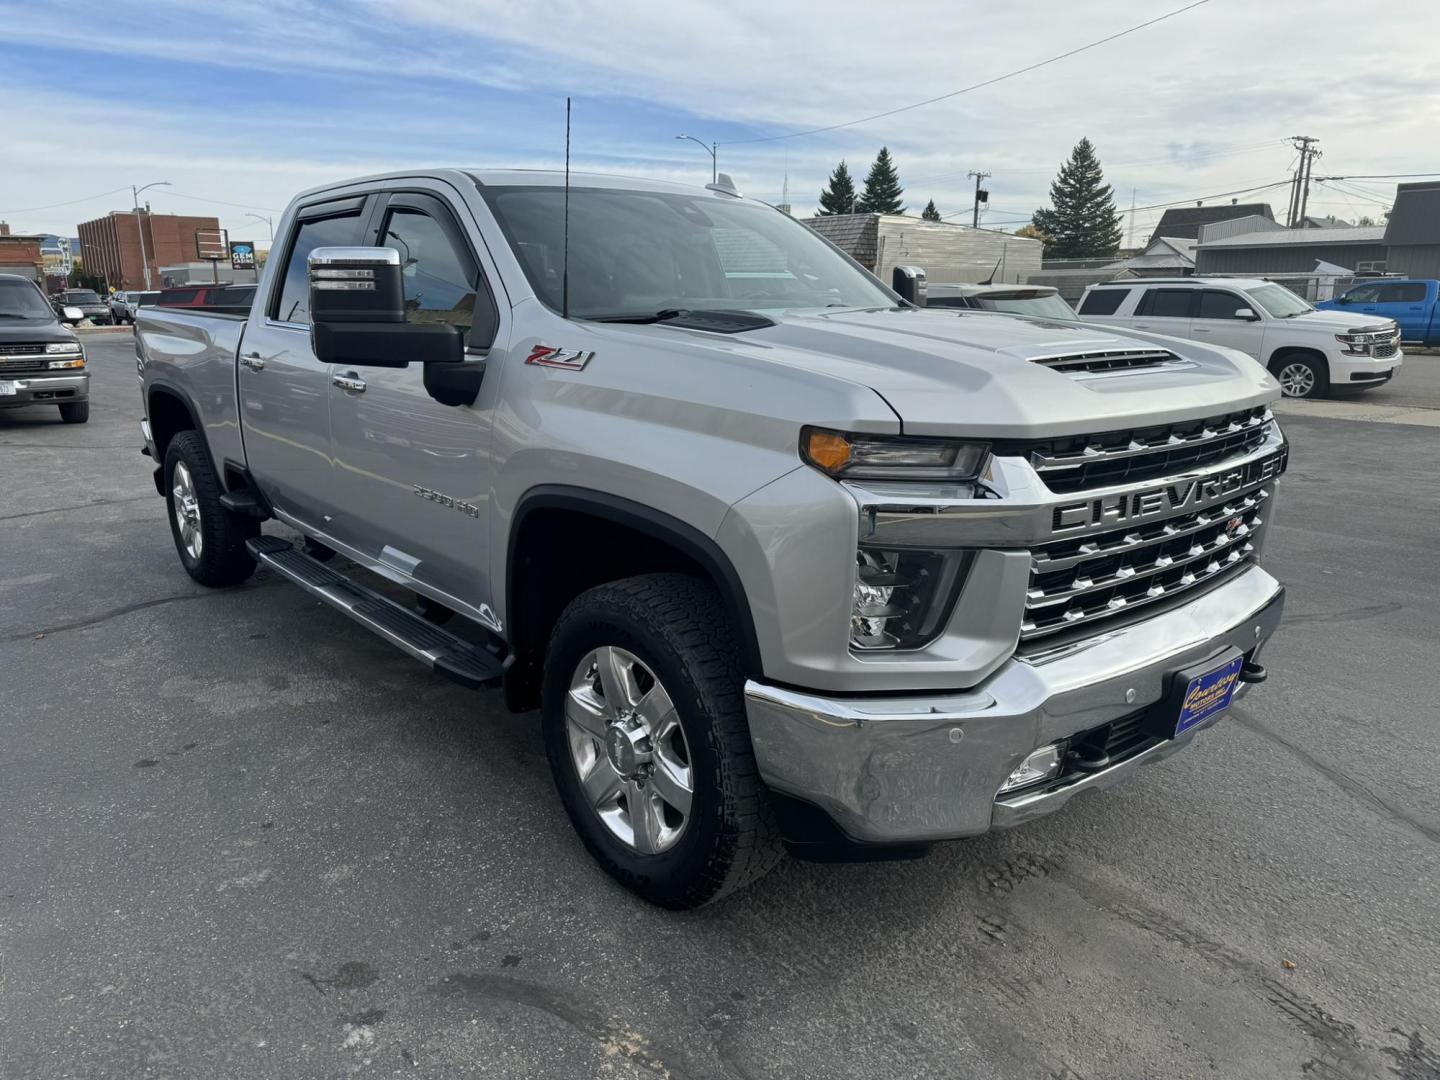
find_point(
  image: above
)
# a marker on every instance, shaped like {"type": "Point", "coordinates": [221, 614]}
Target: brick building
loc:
{"type": "Point", "coordinates": [110, 246]}
{"type": "Point", "coordinates": [21, 255]}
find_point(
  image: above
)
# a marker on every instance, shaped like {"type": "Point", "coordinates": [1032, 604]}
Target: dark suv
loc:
{"type": "Point", "coordinates": [87, 301]}
{"type": "Point", "coordinates": [41, 361]}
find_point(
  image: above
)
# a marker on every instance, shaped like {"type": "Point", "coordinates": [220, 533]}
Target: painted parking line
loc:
{"type": "Point", "coordinates": [1355, 410]}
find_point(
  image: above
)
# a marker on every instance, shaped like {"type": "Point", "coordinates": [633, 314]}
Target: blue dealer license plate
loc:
{"type": "Point", "coordinates": [1209, 694]}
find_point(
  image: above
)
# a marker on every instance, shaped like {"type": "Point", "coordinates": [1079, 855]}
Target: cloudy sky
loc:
{"type": "Point", "coordinates": [242, 103]}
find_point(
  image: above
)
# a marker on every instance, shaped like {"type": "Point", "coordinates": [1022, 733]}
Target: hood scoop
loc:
{"type": "Point", "coordinates": [1111, 361]}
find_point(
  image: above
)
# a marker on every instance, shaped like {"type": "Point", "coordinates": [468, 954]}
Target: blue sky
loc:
{"type": "Point", "coordinates": [243, 103]}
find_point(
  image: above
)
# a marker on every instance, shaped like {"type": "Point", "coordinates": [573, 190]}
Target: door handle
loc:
{"type": "Point", "coordinates": [254, 361]}
{"type": "Point", "coordinates": [1203, 330]}
{"type": "Point", "coordinates": [350, 382]}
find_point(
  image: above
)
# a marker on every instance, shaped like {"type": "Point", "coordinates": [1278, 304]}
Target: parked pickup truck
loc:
{"type": "Point", "coordinates": [776, 553]}
{"type": "Point", "coordinates": [1312, 353]}
{"type": "Point", "coordinates": [1413, 304]}
{"type": "Point", "coordinates": [41, 360]}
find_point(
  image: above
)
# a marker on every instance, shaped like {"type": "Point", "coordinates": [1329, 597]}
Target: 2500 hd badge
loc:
{"type": "Point", "coordinates": [1108, 511]}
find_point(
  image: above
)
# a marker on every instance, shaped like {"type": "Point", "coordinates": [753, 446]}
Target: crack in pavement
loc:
{"type": "Point", "coordinates": [1370, 612]}
{"type": "Point", "coordinates": [106, 616]}
{"type": "Point", "coordinates": [78, 506]}
{"type": "Point", "coordinates": [1344, 781]}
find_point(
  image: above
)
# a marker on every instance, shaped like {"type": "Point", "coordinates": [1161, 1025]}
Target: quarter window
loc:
{"type": "Point", "coordinates": [1405, 292]}
{"type": "Point", "coordinates": [1103, 301]}
{"type": "Point", "coordinates": [337, 231]}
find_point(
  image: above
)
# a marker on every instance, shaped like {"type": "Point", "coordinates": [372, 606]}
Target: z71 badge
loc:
{"type": "Point", "coordinates": [548, 356]}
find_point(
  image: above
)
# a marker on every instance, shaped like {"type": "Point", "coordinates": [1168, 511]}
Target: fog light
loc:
{"type": "Point", "coordinates": [1042, 764]}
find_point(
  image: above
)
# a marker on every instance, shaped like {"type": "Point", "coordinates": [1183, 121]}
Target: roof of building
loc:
{"type": "Point", "coordinates": [1415, 218]}
{"type": "Point", "coordinates": [1354, 234]}
{"type": "Point", "coordinates": [1186, 220]}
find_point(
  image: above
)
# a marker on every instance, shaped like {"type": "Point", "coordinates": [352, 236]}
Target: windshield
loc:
{"type": "Point", "coordinates": [1279, 301]}
{"type": "Point", "coordinates": [1044, 305]}
{"type": "Point", "coordinates": [22, 300]}
{"type": "Point", "coordinates": [81, 296]}
{"type": "Point", "coordinates": [642, 252]}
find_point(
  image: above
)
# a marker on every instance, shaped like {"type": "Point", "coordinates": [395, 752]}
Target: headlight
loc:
{"type": "Point", "coordinates": [63, 348]}
{"type": "Point", "coordinates": [903, 597]}
{"type": "Point", "coordinates": [845, 455]}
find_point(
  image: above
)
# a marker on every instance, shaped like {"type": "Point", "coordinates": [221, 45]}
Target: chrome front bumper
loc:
{"type": "Point", "coordinates": [40, 389]}
{"type": "Point", "coordinates": [916, 767]}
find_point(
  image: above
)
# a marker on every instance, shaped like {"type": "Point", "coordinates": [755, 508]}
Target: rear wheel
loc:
{"type": "Point", "coordinates": [75, 412]}
{"type": "Point", "coordinates": [1301, 376]}
{"type": "Point", "coordinates": [208, 538]}
{"type": "Point", "coordinates": [644, 724]}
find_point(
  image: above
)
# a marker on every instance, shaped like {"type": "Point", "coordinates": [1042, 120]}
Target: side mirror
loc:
{"type": "Point", "coordinates": [909, 282]}
{"type": "Point", "coordinates": [72, 314]}
{"type": "Point", "coordinates": [357, 313]}
{"type": "Point", "coordinates": [1248, 314]}
{"type": "Point", "coordinates": [1344, 299]}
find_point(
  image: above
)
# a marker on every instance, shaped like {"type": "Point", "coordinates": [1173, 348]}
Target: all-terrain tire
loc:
{"type": "Point", "coordinates": [75, 412]}
{"type": "Point", "coordinates": [220, 557]}
{"type": "Point", "coordinates": [678, 627]}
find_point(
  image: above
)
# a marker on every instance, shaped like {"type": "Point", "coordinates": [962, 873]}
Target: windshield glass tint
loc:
{"type": "Point", "coordinates": [1279, 301]}
{"type": "Point", "coordinates": [1049, 307]}
{"type": "Point", "coordinates": [639, 252]}
{"type": "Point", "coordinates": [20, 299]}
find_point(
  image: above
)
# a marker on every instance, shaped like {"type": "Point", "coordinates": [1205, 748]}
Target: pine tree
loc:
{"type": "Point", "coordinates": [882, 187]}
{"type": "Point", "coordinates": [1083, 222]}
{"type": "Point", "coordinates": [930, 213]}
{"type": "Point", "coordinates": [839, 195]}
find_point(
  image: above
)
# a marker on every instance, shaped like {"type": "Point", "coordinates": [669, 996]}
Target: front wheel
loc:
{"type": "Point", "coordinates": [75, 412]}
{"type": "Point", "coordinates": [1301, 376]}
{"type": "Point", "coordinates": [644, 723]}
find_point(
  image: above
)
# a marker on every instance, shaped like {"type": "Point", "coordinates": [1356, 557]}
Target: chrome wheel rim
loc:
{"type": "Point", "coordinates": [1297, 380]}
{"type": "Point", "coordinates": [629, 750]}
{"type": "Point", "coordinates": [186, 508]}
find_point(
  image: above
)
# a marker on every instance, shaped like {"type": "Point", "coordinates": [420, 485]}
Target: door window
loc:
{"type": "Point", "coordinates": [440, 282]}
{"type": "Point", "coordinates": [1103, 301]}
{"type": "Point", "coordinates": [1405, 292]}
{"type": "Point", "coordinates": [336, 231]}
{"type": "Point", "coordinates": [1166, 303]}
{"type": "Point", "coordinates": [1215, 304]}
{"type": "Point", "coordinates": [1365, 294]}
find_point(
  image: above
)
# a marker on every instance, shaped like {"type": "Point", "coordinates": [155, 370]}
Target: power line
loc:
{"type": "Point", "coordinates": [222, 202]}
{"type": "Point", "coordinates": [1380, 176]}
{"type": "Point", "coordinates": [911, 182]}
{"type": "Point", "coordinates": [72, 202]}
{"type": "Point", "coordinates": [979, 85]}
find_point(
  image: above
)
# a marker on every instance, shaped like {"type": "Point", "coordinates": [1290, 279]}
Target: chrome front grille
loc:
{"type": "Point", "coordinates": [1077, 582]}
{"type": "Point", "coordinates": [23, 367]}
{"type": "Point", "coordinates": [1080, 462]}
{"type": "Point", "coordinates": [22, 349]}
{"type": "Point", "coordinates": [1385, 351]}
{"type": "Point", "coordinates": [1109, 360]}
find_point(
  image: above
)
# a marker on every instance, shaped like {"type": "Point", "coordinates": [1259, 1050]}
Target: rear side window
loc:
{"type": "Point", "coordinates": [1166, 303]}
{"type": "Point", "coordinates": [1103, 301]}
{"type": "Point", "coordinates": [337, 231]}
{"type": "Point", "coordinates": [1405, 292]}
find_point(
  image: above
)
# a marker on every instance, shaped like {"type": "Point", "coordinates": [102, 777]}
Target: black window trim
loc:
{"type": "Point", "coordinates": [443, 214]}
{"type": "Point", "coordinates": [315, 211]}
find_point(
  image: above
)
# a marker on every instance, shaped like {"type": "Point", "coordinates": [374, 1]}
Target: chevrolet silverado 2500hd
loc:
{"type": "Point", "coordinates": [778, 554]}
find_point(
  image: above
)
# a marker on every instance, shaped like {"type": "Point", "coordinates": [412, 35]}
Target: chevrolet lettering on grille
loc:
{"type": "Point", "coordinates": [1107, 511]}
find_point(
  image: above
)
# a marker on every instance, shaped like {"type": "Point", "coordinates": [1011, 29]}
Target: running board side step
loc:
{"type": "Point", "coordinates": [445, 653]}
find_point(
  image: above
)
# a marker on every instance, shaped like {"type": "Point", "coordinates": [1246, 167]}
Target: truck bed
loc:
{"type": "Point", "coordinates": [192, 354]}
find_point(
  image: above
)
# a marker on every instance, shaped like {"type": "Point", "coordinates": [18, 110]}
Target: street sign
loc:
{"type": "Point", "coordinates": [242, 255]}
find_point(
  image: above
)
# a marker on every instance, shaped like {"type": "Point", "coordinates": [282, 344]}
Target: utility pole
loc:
{"type": "Point", "coordinates": [1130, 239]}
{"type": "Point", "coordinates": [1300, 186]}
{"type": "Point", "coordinates": [980, 196]}
{"type": "Point", "coordinates": [140, 225]}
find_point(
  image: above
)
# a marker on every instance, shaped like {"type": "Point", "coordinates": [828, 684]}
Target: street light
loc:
{"type": "Point", "coordinates": [269, 223]}
{"type": "Point", "coordinates": [140, 226]}
{"type": "Point", "coordinates": [714, 165]}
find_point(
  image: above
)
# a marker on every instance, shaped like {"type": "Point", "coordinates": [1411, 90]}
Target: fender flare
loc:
{"type": "Point", "coordinates": [685, 538]}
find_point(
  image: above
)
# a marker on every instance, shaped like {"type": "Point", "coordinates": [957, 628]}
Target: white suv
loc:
{"type": "Point", "coordinates": [1310, 352]}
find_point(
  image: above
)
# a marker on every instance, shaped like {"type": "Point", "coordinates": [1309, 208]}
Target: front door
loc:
{"type": "Point", "coordinates": [1404, 301]}
{"type": "Point", "coordinates": [1216, 323]}
{"type": "Point", "coordinates": [283, 388]}
{"type": "Point", "coordinates": [413, 476]}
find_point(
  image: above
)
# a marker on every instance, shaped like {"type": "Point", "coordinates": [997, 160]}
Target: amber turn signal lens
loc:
{"type": "Point", "coordinates": [827, 449]}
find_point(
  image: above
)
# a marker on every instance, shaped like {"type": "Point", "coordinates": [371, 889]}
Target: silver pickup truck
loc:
{"type": "Point", "coordinates": [779, 555]}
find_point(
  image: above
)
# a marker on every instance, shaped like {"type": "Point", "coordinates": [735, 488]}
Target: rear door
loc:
{"type": "Point", "coordinates": [1166, 311]}
{"type": "Point", "coordinates": [413, 477]}
{"type": "Point", "coordinates": [283, 388]}
{"type": "Point", "coordinates": [1405, 302]}
{"type": "Point", "coordinates": [1216, 323]}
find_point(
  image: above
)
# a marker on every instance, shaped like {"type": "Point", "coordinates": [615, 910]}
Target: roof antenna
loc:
{"type": "Point", "coordinates": [565, 258]}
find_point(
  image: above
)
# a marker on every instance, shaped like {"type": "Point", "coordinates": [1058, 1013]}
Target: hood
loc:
{"type": "Point", "coordinates": [33, 331]}
{"type": "Point", "coordinates": [1338, 321]}
{"type": "Point", "coordinates": [950, 372]}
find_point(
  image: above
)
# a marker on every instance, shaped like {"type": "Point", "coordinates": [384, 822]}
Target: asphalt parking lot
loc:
{"type": "Point", "coordinates": [245, 838]}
